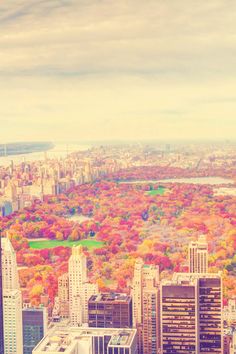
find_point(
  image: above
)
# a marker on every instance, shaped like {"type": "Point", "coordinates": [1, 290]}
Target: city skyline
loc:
{"type": "Point", "coordinates": [121, 223]}
{"type": "Point", "coordinates": [156, 70]}
{"type": "Point", "coordinates": [117, 177]}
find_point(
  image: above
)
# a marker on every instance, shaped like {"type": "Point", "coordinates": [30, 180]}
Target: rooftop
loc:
{"type": "Point", "coordinates": [110, 297]}
{"type": "Point", "coordinates": [122, 339]}
{"type": "Point", "coordinates": [181, 277]}
{"type": "Point", "coordinates": [6, 245]}
{"type": "Point", "coordinates": [189, 278]}
{"type": "Point", "coordinates": [64, 339]}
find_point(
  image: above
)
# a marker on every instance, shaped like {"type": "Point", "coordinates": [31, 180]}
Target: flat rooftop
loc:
{"type": "Point", "coordinates": [110, 297]}
{"type": "Point", "coordinates": [121, 339]}
{"type": "Point", "coordinates": [64, 339]}
{"type": "Point", "coordinates": [186, 279]}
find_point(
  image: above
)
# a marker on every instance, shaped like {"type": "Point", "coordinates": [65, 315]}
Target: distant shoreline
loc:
{"type": "Point", "coordinates": [24, 148]}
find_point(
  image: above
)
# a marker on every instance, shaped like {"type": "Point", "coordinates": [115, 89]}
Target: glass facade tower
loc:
{"type": "Point", "coordinates": [1, 303]}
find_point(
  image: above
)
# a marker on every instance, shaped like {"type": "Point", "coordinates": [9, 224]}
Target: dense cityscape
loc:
{"type": "Point", "coordinates": [120, 249]}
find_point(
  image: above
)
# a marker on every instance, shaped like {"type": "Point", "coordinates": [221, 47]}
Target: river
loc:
{"type": "Point", "coordinates": [60, 150]}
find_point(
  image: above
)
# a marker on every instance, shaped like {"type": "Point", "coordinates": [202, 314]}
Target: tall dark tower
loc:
{"type": "Point", "coordinates": [1, 302]}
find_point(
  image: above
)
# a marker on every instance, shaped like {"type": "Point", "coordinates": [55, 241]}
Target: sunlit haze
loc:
{"type": "Point", "coordinates": [99, 70]}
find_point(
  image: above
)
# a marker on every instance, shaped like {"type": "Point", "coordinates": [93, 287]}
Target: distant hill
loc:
{"type": "Point", "coordinates": [24, 148]}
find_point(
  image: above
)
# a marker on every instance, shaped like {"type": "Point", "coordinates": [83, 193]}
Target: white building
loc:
{"type": "Point", "coordinates": [198, 256]}
{"type": "Point", "coordinates": [229, 312]}
{"type": "Point", "coordinates": [79, 288]}
{"type": "Point", "coordinates": [145, 296]}
{"type": "Point", "coordinates": [10, 278]}
{"type": "Point", "coordinates": [12, 301]}
{"type": "Point", "coordinates": [87, 340]}
{"type": "Point", "coordinates": [12, 320]}
{"type": "Point", "coordinates": [137, 292]}
{"type": "Point", "coordinates": [63, 295]}
{"type": "Point", "coordinates": [233, 344]}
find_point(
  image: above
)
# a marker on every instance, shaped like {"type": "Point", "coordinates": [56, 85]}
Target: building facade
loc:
{"type": "Point", "coordinates": [210, 314]}
{"type": "Point", "coordinates": [191, 314]}
{"type": "Point", "coordinates": [12, 301]}
{"type": "Point", "coordinates": [179, 317]}
{"type": "Point", "coordinates": [229, 312]}
{"type": "Point", "coordinates": [146, 307]}
{"type": "Point", "coordinates": [87, 340]}
{"type": "Point", "coordinates": [34, 327]}
{"type": "Point", "coordinates": [233, 344]}
{"type": "Point", "coordinates": [80, 290]}
{"type": "Point", "coordinates": [1, 301]}
{"type": "Point", "coordinates": [110, 311]}
{"type": "Point", "coordinates": [198, 256]}
{"type": "Point", "coordinates": [151, 320]}
{"type": "Point", "coordinates": [63, 295]}
{"type": "Point", "coordinates": [12, 309]}
{"type": "Point", "coordinates": [10, 275]}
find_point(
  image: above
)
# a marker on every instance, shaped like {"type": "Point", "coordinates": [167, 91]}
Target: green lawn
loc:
{"type": "Point", "coordinates": [91, 244]}
{"type": "Point", "coordinates": [159, 191]}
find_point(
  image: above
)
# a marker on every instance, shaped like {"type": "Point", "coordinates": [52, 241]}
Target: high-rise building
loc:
{"type": "Point", "coordinates": [12, 301]}
{"type": "Point", "coordinates": [122, 342]}
{"type": "Point", "coordinates": [9, 266]}
{"type": "Point", "coordinates": [87, 340]}
{"type": "Point", "coordinates": [110, 311]}
{"type": "Point", "coordinates": [63, 295]}
{"type": "Point", "coordinates": [233, 344]}
{"type": "Point", "coordinates": [191, 314]}
{"type": "Point", "coordinates": [227, 341]}
{"type": "Point", "coordinates": [151, 317]}
{"type": "Point", "coordinates": [137, 286]}
{"type": "Point", "coordinates": [1, 302]}
{"type": "Point", "coordinates": [80, 290]}
{"type": "Point", "coordinates": [229, 312]}
{"type": "Point", "coordinates": [145, 297]}
{"type": "Point", "coordinates": [210, 313]}
{"type": "Point", "coordinates": [179, 317]}
{"type": "Point", "coordinates": [12, 310]}
{"type": "Point", "coordinates": [34, 327]}
{"type": "Point", "coordinates": [198, 256]}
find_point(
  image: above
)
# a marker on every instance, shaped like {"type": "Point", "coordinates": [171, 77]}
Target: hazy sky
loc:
{"type": "Point", "coordinates": [116, 69]}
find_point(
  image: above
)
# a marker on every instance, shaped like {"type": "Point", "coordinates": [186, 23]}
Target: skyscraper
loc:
{"type": "Point", "coordinates": [198, 256]}
{"type": "Point", "coordinates": [34, 327]}
{"type": "Point", "coordinates": [80, 290]}
{"type": "Point", "coordinates": [151, 317]}
{"type": "Point", "coordinates": [63, 295]}
{"type": "Point", "coordinates": [233, 344]}
{"type": "Point", "coordinates": [179, 317]}
{"type": "Point", "coordinates": [12, 309]}
{"type": "Point", "coordinates": [12, 300]}
{"type": "Point", "coordinates": [210, 313]}
{"type": "Point", "coordinates": [9, 266]}
{"type": "Point", "coordinates": [145, 297]}
{"type": "Point", "coordinates": [191, 314]}
{"type": "Point", "coordinates": [1, 302]}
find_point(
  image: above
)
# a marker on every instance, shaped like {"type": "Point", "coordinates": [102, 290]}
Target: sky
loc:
{"type": "Point", "coordinates": [78, 70]}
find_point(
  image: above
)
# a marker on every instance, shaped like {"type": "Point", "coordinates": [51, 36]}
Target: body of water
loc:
{"type": "Point", "coordinates": [79, 218]}
{"type": "Point", "coordinates": [59, 151]}
{"type": "Point", "coordinates": [195, 180]}
{"type": "Point", "coordinates": [225, 191]}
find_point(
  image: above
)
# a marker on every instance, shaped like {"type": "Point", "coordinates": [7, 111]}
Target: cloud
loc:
{"type": "Point", "coordinates": [89, 61]}
{"type": "Point", "coordinates": [155, 37]}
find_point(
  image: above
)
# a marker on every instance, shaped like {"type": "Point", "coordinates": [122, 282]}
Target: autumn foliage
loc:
{"type": "Point", "coordinates": [132, 223]}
